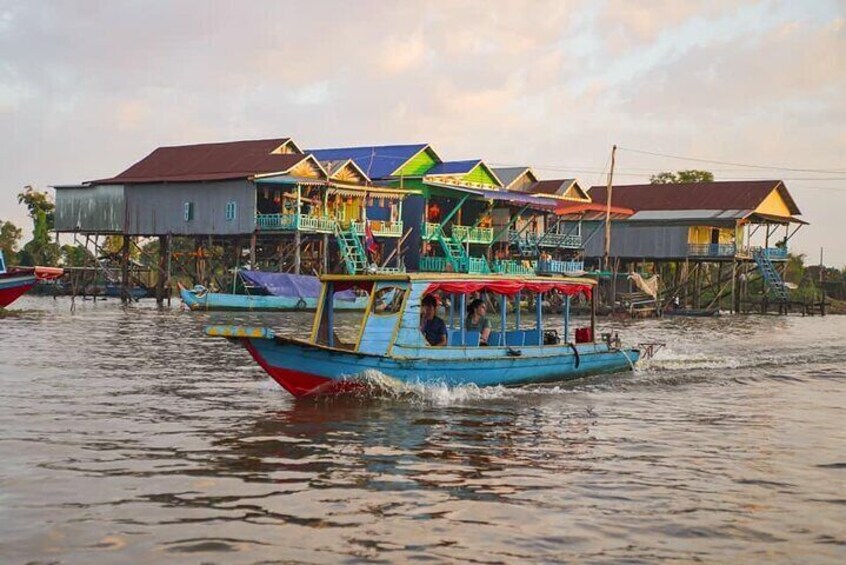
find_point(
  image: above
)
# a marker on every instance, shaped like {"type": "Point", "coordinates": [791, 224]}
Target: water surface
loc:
{"type": "Point", "coordinates": [127, 436]}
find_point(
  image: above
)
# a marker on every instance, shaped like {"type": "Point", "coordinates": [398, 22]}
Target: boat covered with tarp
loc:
{"type": "Point", "coordinates": [393, 339]}
{"type": "Point", "coordinates": [270, 291]}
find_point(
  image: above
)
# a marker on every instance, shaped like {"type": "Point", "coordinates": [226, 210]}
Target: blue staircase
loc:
{"type": "Point", "coordinates": [352, 250]}
{"type": "Point", "coordinates": [771, 277]}
{"type": "Point", "coordinates": [526, 246]}
{"type": "Point", "coordinates": [453, 251]}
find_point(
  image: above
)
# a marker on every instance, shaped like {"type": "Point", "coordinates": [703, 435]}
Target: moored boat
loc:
{"type": "Point", "coordinates": [271, 292]}
{"type": "Point", "coordinates": [389, 339]}
{"type": "Point", "coordinates": [16, 281]}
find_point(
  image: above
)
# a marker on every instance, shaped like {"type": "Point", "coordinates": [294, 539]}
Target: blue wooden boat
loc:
{"type": "Point", "coordinates": [269, 291]}
{"type": "Point", "coordinates": [389, 340]}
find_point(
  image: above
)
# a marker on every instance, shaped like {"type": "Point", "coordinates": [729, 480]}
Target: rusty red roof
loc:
{"type": "Point", "coordinates": [722, 195]}
{"type": "Point", "coordinates": [210, 161]}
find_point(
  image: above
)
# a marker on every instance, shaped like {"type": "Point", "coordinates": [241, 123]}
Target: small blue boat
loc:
{"type": "Point", "coordinates": [390, 343]}
{"type": "Point", "coordinates": [271, 292]}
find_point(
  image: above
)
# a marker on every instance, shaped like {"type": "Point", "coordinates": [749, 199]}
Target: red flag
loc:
{"type": "Point", "coordinates": [369, 240]}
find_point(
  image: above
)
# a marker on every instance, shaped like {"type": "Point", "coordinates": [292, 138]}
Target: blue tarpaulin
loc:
{"type": "Point", "coordinates": [292, 286]}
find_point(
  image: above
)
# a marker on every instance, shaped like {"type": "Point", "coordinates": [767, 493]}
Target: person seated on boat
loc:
{"type": "Point", "coordinates": [433, 328]}
{"type": "Point", "coordinates": [477, 321]}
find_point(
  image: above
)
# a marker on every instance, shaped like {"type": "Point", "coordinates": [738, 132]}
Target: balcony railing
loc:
{"type": "Point", "coordinates": [380, 228]}
{"type": "Point", "coordinates": [294, 222]}
{"type": "Point", "coordinates": [572, 241]}
{"type": "Point", "coordinates": [467, 234]}
{"type": "Point", "coordinates": [711, 249]}
{"type": "Point", "coordinates": [773, 253]}
{"type": "Point", "coordinates": [276, 222]}
{"type": "Point", "coordinates": [555, 267]}
{"type": "Point", "coordinates": [512, 267]}
{"type": "Point", "coordinates": [474, 265]}
{"type": "Point", "coordinates": [434, 264]}
{"type": "Point", "coordinates": [429, 230]}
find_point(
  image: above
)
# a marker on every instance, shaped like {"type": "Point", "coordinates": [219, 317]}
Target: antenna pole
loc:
{"type": "Point", "coordinates": [610, 189]}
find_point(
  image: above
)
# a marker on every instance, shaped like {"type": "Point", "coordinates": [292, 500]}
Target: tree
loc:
{"type": "Point", "coordinates": [688, 175]}
{"type": "Point", "coordinates": [10, 238]}
{"type": "Point", "coordinates": [40, 250]}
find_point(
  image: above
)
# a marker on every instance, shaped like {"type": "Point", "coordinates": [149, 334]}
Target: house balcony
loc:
{"type": "Point", "coordinates": [560, 240]}
{"type": "Point", "coordinates": [295, 222]}
{"type": "Point", "coordinates": [380, 228]}
{"type": "Point", "coordinates": [467, 234]}
{"type": "Point", "coordinates": [474, 265]}
{"type": "Point", "coordinates": [772, 253]}
{"type": "Point", "coordinates": [429, 230]}
{"type": "Point", "coordinates": [711, 249]}
{"type": "Point", "coordinates": [512, 267]}
{"type": "Point", "coordinates": [555, 267]}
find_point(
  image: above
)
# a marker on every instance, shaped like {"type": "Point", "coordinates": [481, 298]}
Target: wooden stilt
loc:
{"type": "Point", "coordinates": [124, 270]}
{"type": "Point", "coordinates": [162, 262]}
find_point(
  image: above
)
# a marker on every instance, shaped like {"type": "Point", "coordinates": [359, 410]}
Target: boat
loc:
{"type": "Point", "coordinates": [389, 341]}
{"type": "Point", "coordinates": [15, 281]}
{"type": "Point", "coordinates": [269, 291]}
{"type": "Point", "coordinates": [692, 313]}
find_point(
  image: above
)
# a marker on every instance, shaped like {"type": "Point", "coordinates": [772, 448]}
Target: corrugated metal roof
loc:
{"type": "Point", "coordinates": [509, 174]}
{"type": "Point", "coordinates": [722, 195]}
{"type": "Point", "coordinates": [377, 161]}
{"type": "Point", "coordinates": [454, 167]}
{"type": "Point", "coordinates": [517, 198]}
{"type": "Point", "coordinates": [557, 186]}
{"type": "Point", "coordinates": [687, 215]}
{"type": "Point", "coordinates": [209, 161]}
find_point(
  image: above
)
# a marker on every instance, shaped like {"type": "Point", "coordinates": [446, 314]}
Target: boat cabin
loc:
{"type": "Point", "coordinates": [391, 323]}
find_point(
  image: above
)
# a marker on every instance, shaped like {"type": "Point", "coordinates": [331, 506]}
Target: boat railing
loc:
{"type": "Point", "coordinates": [573, 241]}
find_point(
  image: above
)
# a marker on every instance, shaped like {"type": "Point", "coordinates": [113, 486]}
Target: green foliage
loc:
{"type": "Point", "coordinates": [77, 256]}
{"type": "Point", "coordinates": [40, 250]}
{"type": "Point", "coordinates": [10, 238]}
{"type": "Point", "coordinates": [688, 175]}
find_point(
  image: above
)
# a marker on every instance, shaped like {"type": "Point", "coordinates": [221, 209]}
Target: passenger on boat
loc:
{"type": "Point", "coordinates": [433, 328]}
{"type": "Point", "coordinates": [477, 321]}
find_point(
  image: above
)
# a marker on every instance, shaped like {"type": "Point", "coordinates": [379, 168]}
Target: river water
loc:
{"type": "Point", "coordinates": [127, 436]}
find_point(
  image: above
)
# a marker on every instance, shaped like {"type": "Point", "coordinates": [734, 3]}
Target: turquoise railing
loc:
{"type": "Point", "coordinates": [475, 265]}
{"type": "Point", "coordinates": [512, 267]}
{"type": "Point", "coordinates": [270, 222]}
{"type": "Point", "coordinates": [433, 264]}
{"type": "Point", "coordinates": [556, 267]}
{"type": "Point", "coordinates": [711, 249]}
{"type": "Point", "coordinates": [292, 222]}
{"type": "Point", "coordinates": [383, 229]}
{"type": "Point", "coordinates": [467, 234]}
{"type": "Point", "coordinates": [573, 241]}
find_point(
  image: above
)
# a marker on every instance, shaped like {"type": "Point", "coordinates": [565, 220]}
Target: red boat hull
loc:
{"type": "Point", "coordinates": [12, 287]}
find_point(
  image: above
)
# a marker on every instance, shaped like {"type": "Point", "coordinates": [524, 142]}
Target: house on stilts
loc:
{"type": "Point", "coordinates": [715, 236]}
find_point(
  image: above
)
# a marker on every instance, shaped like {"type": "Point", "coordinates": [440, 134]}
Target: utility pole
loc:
{"type": "Point", "coordinates": [610, 189]}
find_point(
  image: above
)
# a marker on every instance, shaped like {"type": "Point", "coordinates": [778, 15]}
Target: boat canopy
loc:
{"type": "Point", "coordinates": [290, 285]}
{"type": "Point", "coordinates": [510, 287]}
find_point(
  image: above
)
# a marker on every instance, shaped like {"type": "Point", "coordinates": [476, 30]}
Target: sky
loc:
{"type": "Point", "coordinates": [89, 87]}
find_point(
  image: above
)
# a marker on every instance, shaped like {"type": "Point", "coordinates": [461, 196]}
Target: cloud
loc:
{"type": "Point", "coordinates": [88, 88]}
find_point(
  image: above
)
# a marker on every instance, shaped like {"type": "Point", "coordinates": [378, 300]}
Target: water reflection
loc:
{"type": "Point", "coordinates": [125, 435]}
